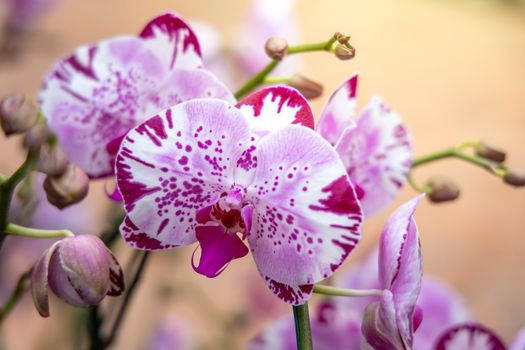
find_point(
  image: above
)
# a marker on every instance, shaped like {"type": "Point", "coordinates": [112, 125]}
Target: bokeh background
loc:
{"type": "Point", "coordinates": [454, 70]}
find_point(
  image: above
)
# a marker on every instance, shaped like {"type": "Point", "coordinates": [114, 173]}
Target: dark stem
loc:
{"type": "Point", "coordinates": [302, 327]}
{"type": "Point", "coordinates": [127, 298]}
{"type": "Point", "coordinates": [16, 295]}
{"type": "Point", "coordinates": [95, 323]}
{"type": "Point", "coordinates": [8, 187]}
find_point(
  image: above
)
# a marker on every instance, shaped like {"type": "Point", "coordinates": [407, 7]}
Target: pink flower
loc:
{"type": "Point", "coordinates": [390, 322]}
{"type": "Point", "coordinates": [93, 97]}
{"type": "Point", "coordinates": [172, 333]}
{"type": "Point", "coordinates": [210, 172]}
{"type": "Point", "coordinates": [469, 336]}
{"type": "Point", "coordinates": [24, 13]}
{"type": "Point", "coordinates": [375, 148]}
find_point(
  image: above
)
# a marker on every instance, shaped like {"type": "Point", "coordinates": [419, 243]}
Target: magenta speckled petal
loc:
{"type": "Point", "coordinates": [377, 153]}
{"type": "Point", "coordinates": [218, 249]}
{"type": "Point", "coordinates": [294, 295]}
{"type": "Point", "coordinates": [137, 239]}
{"type": "Point", "coordinates": [177, 162]}
{"type": "Point", "coordinates": [96, 95]}
{"type": "Point", "coordinates": [272, 108]}
{"type": "Point", "coordinates": [469, 336]}
{"type": "Point", "coordinates": [173, 42]}
{"type": "Point", "coordinates": [116, 276]}
{"type": "Point", "coordinates": [339, 112]}
{"type": "Point", "coordinates": [306, 215]}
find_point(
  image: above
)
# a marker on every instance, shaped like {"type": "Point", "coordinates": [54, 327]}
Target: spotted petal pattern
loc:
{"type": "Point", "coordinates": [177, 162]}
{"type": "Point", "coordinates": [307, 215]}
{"type": "Point", "coordinates": [339, 112]}
{"type": "Point", "coordinates": [377, 154]}
{"type": "Point", "coordinates": [96, 95]}
{"type": "Point", "coordinates": [173, 41]}
{"type": "Point", "coordinates": [272, 108]}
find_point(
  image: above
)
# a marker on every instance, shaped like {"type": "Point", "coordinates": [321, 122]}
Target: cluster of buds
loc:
{"type": "Point", "coordinates": [65, 184]}
{"type": "Point", "coordinates": [494, 154]}
{"type": "Point", "coordinates": [79, 270]}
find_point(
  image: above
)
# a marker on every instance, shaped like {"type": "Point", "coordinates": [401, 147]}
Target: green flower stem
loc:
{"type": "Point", "coordinates": [276, 80]}
{"type": "Point", "coordinates": [7, 187]}
{"type": "Point", "coordinates": [343, 292]}
{"type": "Point", "coordinates": [303, 332]}
{"type": "Point", "coordinates": [17, 230]}
{"type": "Point", "coordinates": [260, 77]}
{"type": "Point", "coordinates": [417, 187]}
{"type": "Point", "coordinates": [456, 152]}
{"type": "Point", "coordinates": [16, 295]}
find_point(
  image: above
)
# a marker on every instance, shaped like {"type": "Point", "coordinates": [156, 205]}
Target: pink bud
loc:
{"type": "Point", "coordinates": [489, 151]}
{"type": "Point", "coordinates": [35, 137]}
{"type": "Point", "coordinates": [80, 270]}
{"type": "Point", "coordinates": [69, 188]}
{"type": "Point", "coordinates": [514, 179]}
{"type": "Point", "coordinates": [307, 87]}
{"type": "Point", "coordinates": [442, 190]}
{"type": "Point", "coordinates": [344, 52]}
{"type": "Point", "coordinates": [17, 114]}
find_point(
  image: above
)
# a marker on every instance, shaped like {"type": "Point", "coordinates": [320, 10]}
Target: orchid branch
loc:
{"type": "Point", "coordinates": [344, 292]}
{"type": "Point", "coordinates": [303, 332]}
{"type": "Point", "coordinates": [260, 77]}
{"type": "Point", "coordinates": [16, 295]}
{"type": "Point", "coordinates": [17, 230]}
{"type": "Point", "coordinates": [7, 188]}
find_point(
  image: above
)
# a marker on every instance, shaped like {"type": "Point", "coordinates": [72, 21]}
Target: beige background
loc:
{"type": "Point", "coordinates": [454, 70]}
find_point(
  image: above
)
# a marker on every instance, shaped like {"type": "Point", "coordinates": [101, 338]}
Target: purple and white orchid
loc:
{"type": "Point", "coordinates": [93, 97]}
{"type": "Point", "coordinates": [390, 322]}
{"type": "Point", "coordinates": [375, 148]}
{"type": "Point", "coordinates": [210, 172]}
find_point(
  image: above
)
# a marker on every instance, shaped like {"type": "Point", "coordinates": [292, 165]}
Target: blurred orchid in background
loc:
{"type": "Point", "coordinates": [202, 171]}
{"type": "Point", "coordinates": [171, 333]}
{"type": "Point", "coordinates": [93, 97]}
{"type": "Point", "coordinates": [376, 147]}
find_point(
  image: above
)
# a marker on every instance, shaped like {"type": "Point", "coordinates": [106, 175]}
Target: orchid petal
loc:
{"type": "Point", "coordinates": [136, 238]}
{"type": "Point", "coordinates": [339, 112]}
{"type": "Point", "coordinates": [379, 326]}
{"type": "Point", "coordinates": [218, 250]}
{"type": "Point", "coordinates": [469, 336]}
{"type": "Point", "coordinates": [442, 308]}
{"type": "Point", "coordinates": [294, 295]}
{"type": "Point", "coordinates": [400, 268]}
{"type": "Point", "coordinates": [173, 41]}
{"type": "Point", "coordinates": [177, 162]}
{"type": "Point", "coordinates": [519, 341]}
{"type": "Point", "coordinates": [377, 153]}
{"type": "Point", "coordinates": [272, 108]}
{"type": "Point", "coordinates": [306, 215]}
{"type": "Point", "coordinates": [279, 335]}
{"type": "Point", "coordinates": [39, 281]}
{"type": "Point", "coordinates": [116, 276]}
{"type": "Point", "coordinates": [96, 94]}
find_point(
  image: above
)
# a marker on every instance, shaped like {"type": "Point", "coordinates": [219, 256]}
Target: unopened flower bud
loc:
{"type": "Point", "coordinates": [307, 87]}
{"type": "Point", "coordinates": [344, 52]}
{"type": "Point", "coordinates": [442, 190]}
{"type": "Point", "coordinates": [67, 189]}
{"type": "Point", "coordinates": [80, 270]}
{"type": "Point", "coordinates": [276, 48]}
{"type": "Point", "coordinates": [488, 151]}
{"type": "Point", "coordinates": [514, 179]}
{"type": "Point", "coordinates": [17, 114]}
{"type": "Point", "coordinates": [35, 137]}
{"type": "Point", "coordinates": [342, 38]}
{"type": "Point", "coordinates": [52, 160]}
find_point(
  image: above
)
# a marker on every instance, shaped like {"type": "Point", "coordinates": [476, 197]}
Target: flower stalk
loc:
{"type": "Point", "coordinates": [260, 77]}
{"type": "Point", "coordinates": [17, 230]}
{"type": "Point", "coordinates": [20, 288]}
{"type": "Point", "coordinates": [344, 292]}
{"type": "Point", "coordinates": [302, 327]}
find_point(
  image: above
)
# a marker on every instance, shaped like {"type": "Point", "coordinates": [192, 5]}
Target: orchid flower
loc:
{"type": "Point", "coordinates": [172, 333]}
{"type": "Point", "coordinates": [206, 171]}
{"type": "Point", "coordinates": [375, 148]}
{"type": "Point", "coordinates": [93, 97]}
{"type": "Point", "coordinates": [469, 336]}
{"type": "Point", "coordinates": [24, 13]}
{"type": "Point", "coordinates": [390, 322]}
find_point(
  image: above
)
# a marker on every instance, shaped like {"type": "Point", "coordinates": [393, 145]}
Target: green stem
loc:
{"type": "Point", "coordinates": [17, 230]}
{"type": "Point", "coordinates": [260, 77]}
{"type": "Point", "coordinates": [7, 188]}
{"type": "Point", "coordinates": [15, 296]}
{"type": "Point", "coordinates": [302, 327]}
{"type": "Point", "coordinates": [343, 292]}
{"type": "Point", "coordinates": [457, 153]}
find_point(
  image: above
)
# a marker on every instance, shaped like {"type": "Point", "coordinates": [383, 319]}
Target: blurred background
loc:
{"type": "Point", "coordinates": [454, 71]}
